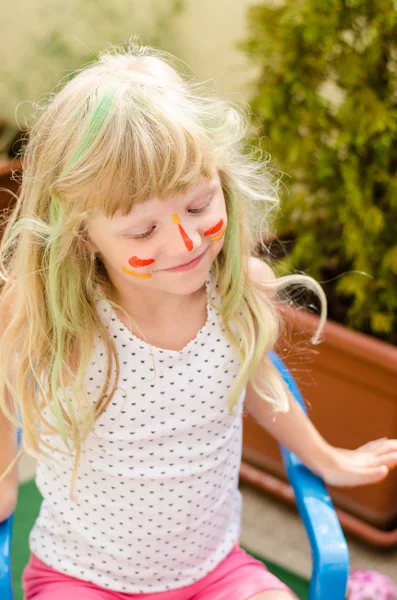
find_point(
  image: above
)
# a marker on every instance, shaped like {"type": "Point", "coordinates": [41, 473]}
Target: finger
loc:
{"type": "Point", "coordinates": [364, 460]}
{"type": "Point", "coordinates": [388, 446]}
{"type": "Point", "coordinates": [369, 476]}
{"type": "Point", "coordinates": [388, 459]}
{"type": "Point", "coordinates": [373, 444]}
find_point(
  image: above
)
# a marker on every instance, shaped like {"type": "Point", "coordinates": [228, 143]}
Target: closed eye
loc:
{"type": "Point", "coordinates": [197, 211]}
{"type": "Point", "coordinates": [145, 235]}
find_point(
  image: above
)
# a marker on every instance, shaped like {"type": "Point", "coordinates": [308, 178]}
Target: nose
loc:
{"type": "Point", "coordinates": [182, 238]}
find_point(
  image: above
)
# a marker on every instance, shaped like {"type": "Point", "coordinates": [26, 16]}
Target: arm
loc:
{"type": "Point", "coordinates": [8, 451]}
{"type": "Point", "coordinates": [295, 431]}
{"type": "Point", "coordinates": [292, 429]}
{"type": "Point", "coordinates": [8, 434]}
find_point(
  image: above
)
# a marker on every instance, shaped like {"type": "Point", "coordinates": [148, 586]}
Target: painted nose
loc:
{"type": "Point", "coordinates": [183, 235]}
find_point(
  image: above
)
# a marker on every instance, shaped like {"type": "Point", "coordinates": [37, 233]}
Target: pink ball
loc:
{"type": "Point", "coordinates": [370, 585]}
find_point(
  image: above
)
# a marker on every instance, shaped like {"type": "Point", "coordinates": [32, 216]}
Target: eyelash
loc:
{"type": "Point", "coordinates": [193, 211]}
{"type": "Point", "coordinates": [198, 211]}
{"type": "Point", "coordinates": [144, 235]}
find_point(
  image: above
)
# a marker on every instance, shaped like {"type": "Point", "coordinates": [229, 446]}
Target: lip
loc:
{"type": "Point", "coordinates": [187, 266]}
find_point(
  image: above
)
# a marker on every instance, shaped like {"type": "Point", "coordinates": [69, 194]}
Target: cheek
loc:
{"type": "Point", "coordinates": [139, 266]}
{"type": "Point", "coordinates": [135, 261]}
{"type": "Point", "coordinates": [216, 231]}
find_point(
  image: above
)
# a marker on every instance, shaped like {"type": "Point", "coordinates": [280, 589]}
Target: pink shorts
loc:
{"type": "Point", "coordinates": [238, 577]}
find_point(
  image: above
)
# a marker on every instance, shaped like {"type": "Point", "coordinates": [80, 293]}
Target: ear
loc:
{"type": "Point", "coordinates": [87, 243]}
{"type": "Point", "coordinates": [89, 246]}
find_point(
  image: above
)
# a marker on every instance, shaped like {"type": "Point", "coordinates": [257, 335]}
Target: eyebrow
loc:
{"type": "Point", "coordinates": [133, 226]}
{"type": "Point", "coordinates": [206, 187]}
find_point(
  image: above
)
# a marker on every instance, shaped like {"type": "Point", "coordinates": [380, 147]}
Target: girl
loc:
{"type": "Point", "coordinates": [141, 324]}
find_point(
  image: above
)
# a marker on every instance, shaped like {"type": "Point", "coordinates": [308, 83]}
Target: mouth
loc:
{"type": "Point", "coordinates": [187, 266]}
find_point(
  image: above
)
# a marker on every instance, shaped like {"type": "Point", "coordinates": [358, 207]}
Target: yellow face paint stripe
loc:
{"type": "Point", "coordinates": [140, 275]}
{"type": "Point", "coordinates": [218, 237]}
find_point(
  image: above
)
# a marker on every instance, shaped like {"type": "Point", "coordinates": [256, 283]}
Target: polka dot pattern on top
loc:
{"type": "Point", "coordinates": [158, 505]}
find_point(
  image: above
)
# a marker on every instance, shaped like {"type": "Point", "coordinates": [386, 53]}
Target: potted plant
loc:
{"type": "Point", "coordinates": [326, 103]}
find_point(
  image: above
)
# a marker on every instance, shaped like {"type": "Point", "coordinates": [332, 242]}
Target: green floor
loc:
{"type": "Point", "coordinates": [28, 506]}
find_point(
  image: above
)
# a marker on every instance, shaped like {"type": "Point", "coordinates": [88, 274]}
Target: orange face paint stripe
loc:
{"type": "Point", "coordinates": [186, 238]}
{"type": "Point", "coordinates": [215, 228]}
{"type": "Point", "coordinates": [140, 262]}
{"type": "Point", "coordinates": [218, 237]}
{"type": "Point", "coordinates": [140, 275]}
{"type": "Point", "coordinates": [188, 242]}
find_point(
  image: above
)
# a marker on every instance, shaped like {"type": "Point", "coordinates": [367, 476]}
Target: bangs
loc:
{"type": "Point", "coordinates": [148, 146]}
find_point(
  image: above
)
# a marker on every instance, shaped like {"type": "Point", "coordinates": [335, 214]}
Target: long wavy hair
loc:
{"type": "Point", "coordinates": [132, 125]}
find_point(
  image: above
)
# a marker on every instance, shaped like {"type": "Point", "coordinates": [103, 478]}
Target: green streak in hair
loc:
{"type": "Point", "coordinates": [234, 260]}
{"type": "Point", "coordinates": [55, 306]}
{"type": "Point", "coordinates": [98, 117]}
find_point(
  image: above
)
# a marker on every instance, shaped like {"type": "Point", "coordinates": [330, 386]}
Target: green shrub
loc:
{"type": "Point", "coordinates": [326, 100]}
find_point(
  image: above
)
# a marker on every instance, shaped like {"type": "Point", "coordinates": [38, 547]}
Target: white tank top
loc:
{"type": "Point", "coordinates": [158, 505]}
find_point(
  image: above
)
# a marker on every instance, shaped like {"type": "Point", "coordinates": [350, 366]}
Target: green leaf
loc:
{"type": "Point", "coordinates": [340, 154]}
{"type": "Point", "coordinates": [390, 259]}
{"type": "Point", "coordinates": [382, 323]}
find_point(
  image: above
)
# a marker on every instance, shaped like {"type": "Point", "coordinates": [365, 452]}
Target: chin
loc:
{"type": "Point", "coordinates": [183, 285]}
{"type": "Point", "coordinates": [190, 289]}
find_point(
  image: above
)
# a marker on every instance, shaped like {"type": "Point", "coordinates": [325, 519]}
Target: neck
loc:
{"type": "Point", "coordinates": [159, 307]}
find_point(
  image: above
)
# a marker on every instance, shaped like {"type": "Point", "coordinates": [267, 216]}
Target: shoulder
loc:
{"type": "Point", "coordinates": [8, 302]}
{"type": "Point", "coordinates": [260, 271]}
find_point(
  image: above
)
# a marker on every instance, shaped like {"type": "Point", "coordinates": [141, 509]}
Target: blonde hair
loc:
{"type": "Point", "coordinates": [127, 127]}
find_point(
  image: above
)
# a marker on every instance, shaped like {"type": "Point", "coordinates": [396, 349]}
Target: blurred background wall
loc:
{"type": "Point", "coordinates": [43, 40]}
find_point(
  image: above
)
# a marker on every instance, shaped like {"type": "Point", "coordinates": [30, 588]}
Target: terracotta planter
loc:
{"type": "Point", "coordinates": [350, 384]}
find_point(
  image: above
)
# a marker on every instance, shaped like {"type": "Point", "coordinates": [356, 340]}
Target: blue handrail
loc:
{"type": "Point", "coordinates": [330, 553]}
{"type": "Point", "coordinates": [5, 559]}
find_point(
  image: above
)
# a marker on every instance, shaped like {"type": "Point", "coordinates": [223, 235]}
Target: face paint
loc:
{"type": "Point", "coordinates": [188, 242]}
{"type": "Point", "coordinates": [218, 237]}
{"type": "Point", "coordinates": [215, 229]}
{"type": "Point", "coordinates": [140, 275]}
{"type": "Point", "coordinates": [134, 261]}
{"type": "Point", "coordinates": [140, 262]}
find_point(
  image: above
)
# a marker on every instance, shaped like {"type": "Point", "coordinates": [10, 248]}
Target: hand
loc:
{"type": "Point", "coordinates": [367, 464]}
